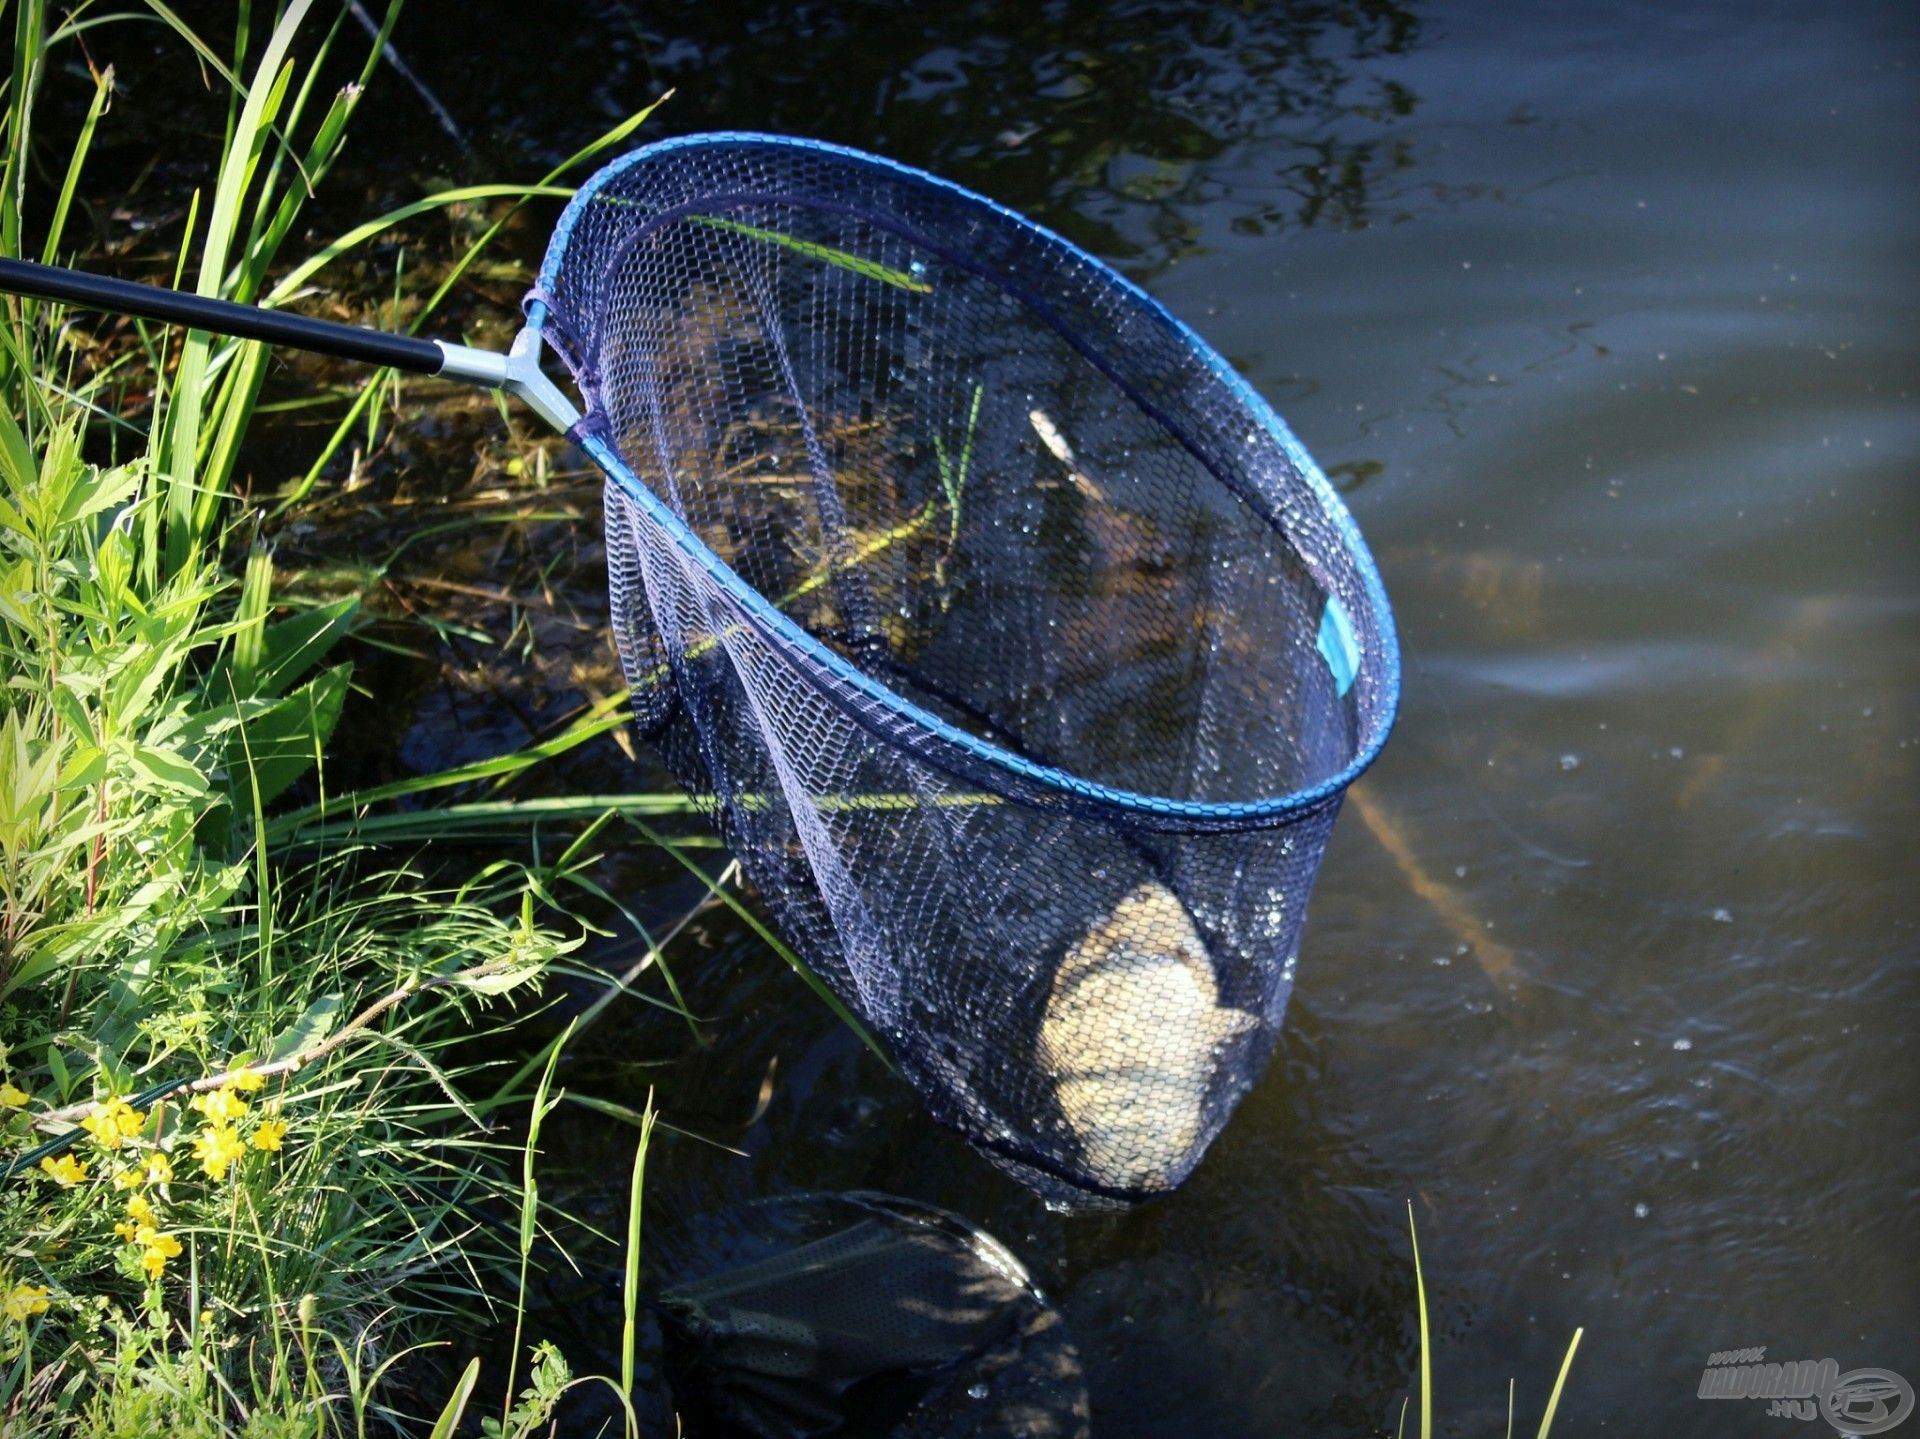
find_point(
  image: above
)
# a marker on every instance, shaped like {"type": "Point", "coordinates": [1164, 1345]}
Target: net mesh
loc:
{"type": "Point", "coordinates": [1016, 648]}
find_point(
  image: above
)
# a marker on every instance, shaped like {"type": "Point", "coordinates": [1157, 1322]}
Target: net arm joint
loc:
{"type": "Point", "coordinates": [517, 372]}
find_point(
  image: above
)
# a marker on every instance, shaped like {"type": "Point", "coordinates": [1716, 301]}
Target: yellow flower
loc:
{"type": "Point", "coordinates": [139, 1215]}
{"type": "Point", "coordinates": [270, 1134]}
{"type": "Point", "coordinates": [65, 1171]}
{"type": "Point", "coordinates": [246, 1078]}
{"type": "Point", "coordinates": [216, 1149]}
{"type": "Point", "coordinates": [220, 1106]}
{"type": "Point", "coordinates": [12, 1096]}
{"type": "Point", "coordinates": [158, 1169]}
{"type": "Point", "coordinates": [24, 1301]}
{"type": "Point", "coordinates": [112, 1123]}
{"type": "Point", "coordinates": [155, 1249]}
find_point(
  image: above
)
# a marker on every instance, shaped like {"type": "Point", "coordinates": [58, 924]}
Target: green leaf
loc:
{"type": "Point", "coordinates": [100, 490]}
{"type": "Point", "coordinates": [163, 769]}
{"type": "Point", "coordinates": [277, 746]}
{"type": "Point", "coordinates": [73, 713]}
{"type": "Point", "coordinates": [288, 649]}
{"type": "Point", "coordinates": [65, 480]}
{"type": "Point", "coordinates": [250, 620]}
{"type": "Point", "coordinates": [612, 1108]}
{"type": "Point", "coordinates": [1560, 1383]}
{"type": "Point", "coordinates": [41, 961]}
{"type": "Point", "coordinates": [309, 1029]}
{"type": "Point", "coordinates": [16, 593]}
{"type": "Point", "coordinates": [161, 644]}
{"type": "Point", "coordinates": [499, 981]}
{"type": "Point", "coordinates": [16, 464]}
{"type": "Point", "coordinates": [456, 1406]}
{"type": "Point", "coordinates": [112, 568]}
{"type": "Point", "coordinates": [1426, 1345]}
{"type": "Point", "coordinates": [56, 227]}
{"type": "Point", "coordinates": [11, 519]}
{"type": "Point", "coordinates": [88, 764]}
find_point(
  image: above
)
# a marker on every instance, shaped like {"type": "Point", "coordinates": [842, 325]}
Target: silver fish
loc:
{"type": "Point", "coordinates": [1057, 446]}
{"type": "Point", "coordinates": [1130, 1032]}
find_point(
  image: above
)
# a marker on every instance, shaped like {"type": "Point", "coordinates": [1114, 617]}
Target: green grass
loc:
{"type": "Point", "coordinates": [1425, 1430]}
{"type": "Point", "coordinates": [244, 1174]}
{"type": "Point", "coordinates": [148, 949]}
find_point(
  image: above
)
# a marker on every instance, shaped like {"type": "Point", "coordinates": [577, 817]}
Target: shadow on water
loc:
{"type": "Point", "coordinates": [1099, 119]}
{"type": "Point", "coordinates": [783, 1099]}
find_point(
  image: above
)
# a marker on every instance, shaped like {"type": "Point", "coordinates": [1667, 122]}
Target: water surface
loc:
{"type": "Point", "coordinates": [1605, 319]}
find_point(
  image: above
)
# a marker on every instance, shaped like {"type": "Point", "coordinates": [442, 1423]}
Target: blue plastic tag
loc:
{"type": "Point", "coordinates": [1338, 647]}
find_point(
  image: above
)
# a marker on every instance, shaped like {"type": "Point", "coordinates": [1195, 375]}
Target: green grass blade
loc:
{"type": "Point", "coordinates": [272, 201]}
{"type": "Point", "coordinates": [283, 828]}
{"type": "Point", "coordinates": [841, 259]}
{"type": "Point", "coordinates": [186, 409]}
{"type": "Point", "coordinates": [456, 1406]}
{"type": "Point", "coordinates": [630, 1285]}
{"type": "Point", "coordinates": [298, 276]}
{"type": "Point", "coordinates": [1553, 1400]}
{"type": "Point", "coordinates": [530, 1207]}
{"type": "Point", "coordinates": [29, 63]}
{"type": "Point", "coordinates": [250, 619]}
{"type": "Point", "coordinates": [57, 223]}
{"type": "Point", "coordinates": [483, 819]}
{"type": "Point", "coordinates": [1426, 1343]}
{"type": "Point", "coordinates": [778, 945]}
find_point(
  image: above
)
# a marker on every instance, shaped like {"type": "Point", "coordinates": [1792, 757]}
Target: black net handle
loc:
{"type": "Point", "coordinates": [221, 317]}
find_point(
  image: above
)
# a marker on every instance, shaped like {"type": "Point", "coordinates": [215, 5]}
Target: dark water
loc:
{"type": "Point", "coordinates": [1607, 323]}
{"type": "Point", "coordinates": [1605, 317]}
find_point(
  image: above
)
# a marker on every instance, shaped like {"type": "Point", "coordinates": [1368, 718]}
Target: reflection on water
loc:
{"type": "Point", "coordinates": [1605, 318]}
{"type": "Point", "coordinates": [1108, 121]}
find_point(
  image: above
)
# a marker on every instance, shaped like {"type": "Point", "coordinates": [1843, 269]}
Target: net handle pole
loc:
{"type": "Point", "coordinates": [517, 372]}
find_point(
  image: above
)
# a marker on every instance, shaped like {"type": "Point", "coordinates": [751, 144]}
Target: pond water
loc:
{"type": "Point", "coordinates": [1604, 319]}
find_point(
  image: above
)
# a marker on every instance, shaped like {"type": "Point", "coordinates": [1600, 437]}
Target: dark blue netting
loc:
{"type": "Point", "coordinates": [1020, 653]}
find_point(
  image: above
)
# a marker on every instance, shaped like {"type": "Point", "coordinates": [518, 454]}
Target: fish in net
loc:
{"type": "Point", "coordinates": [1016, 647]}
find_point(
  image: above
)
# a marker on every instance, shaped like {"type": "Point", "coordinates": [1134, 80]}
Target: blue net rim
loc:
{"type": "Point", "coordinates": [1383, 671]}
